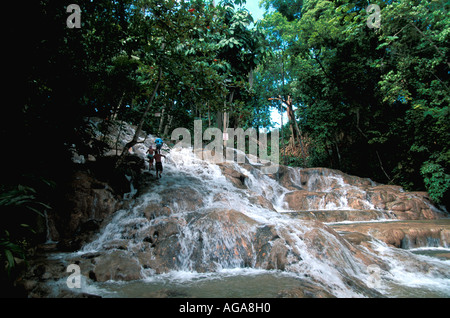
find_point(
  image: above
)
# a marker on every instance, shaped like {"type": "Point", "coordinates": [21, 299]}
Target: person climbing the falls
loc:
{"type": "Point", "coordinates": [159, 143]}
{"type": "Point", "coordinates": [150, 156]}
{"type": "Point", "coordinates": [159, 167]}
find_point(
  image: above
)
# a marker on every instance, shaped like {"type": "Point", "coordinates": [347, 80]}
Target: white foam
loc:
{"type": "Point", "coordinates": [184, 169]}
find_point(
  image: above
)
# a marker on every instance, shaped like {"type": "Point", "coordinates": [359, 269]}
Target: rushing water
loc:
{"type": "Point", "coordinates": [406, 274]}
{"type": "Point", "coordinates": [441, 253]}
{"type": "Point", "coordinates": [233, 283]}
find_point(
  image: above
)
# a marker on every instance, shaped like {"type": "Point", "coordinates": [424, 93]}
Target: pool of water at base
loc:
{"type": "Point", "coordinates": [247, 283]}
{"type": "Point", "coordinates": [436, 252]}
{"type": "Point", "coordinates": [422, 286]}
{"type": "Point", "coordinates": [236, 283]}
{"type": "Point", "coordinates": [399, 291]}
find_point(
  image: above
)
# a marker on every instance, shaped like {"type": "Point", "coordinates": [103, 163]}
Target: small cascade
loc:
{"type": "Point", "coordinates": [48, 234]}
{"type": "Point", "coordinates": [133, 190]}
{"type": "Point", "coordinates": [204, 220]}
{"type": "Point", "coordinates": [195, 220]}
{"type": "Point", "coordinates": [416, 275]}
{"type": "Point", "coordinates": [425, 240]}
{"type": "Point", "coordinates": [327, 190]}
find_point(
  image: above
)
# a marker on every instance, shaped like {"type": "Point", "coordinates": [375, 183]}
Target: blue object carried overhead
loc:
{"type": "Point", "coordinates": [159, 143]}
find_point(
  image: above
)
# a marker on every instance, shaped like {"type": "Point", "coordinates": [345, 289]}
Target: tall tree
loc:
{"type": "Point", "coordinates": [364, 95]}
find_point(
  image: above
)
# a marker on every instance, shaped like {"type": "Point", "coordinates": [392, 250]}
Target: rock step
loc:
{"type": "Point", "coordinates": [341, 215]}
{"type": "Point", "coordinates": [403, 234]}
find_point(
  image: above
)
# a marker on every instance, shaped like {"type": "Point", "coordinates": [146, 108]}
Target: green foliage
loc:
{"type": "Point", "coordinates": [21, 197]}
{"type": "Point", "coordinates": [375, 102]}
{"type": "Point", "coordinates": [201, 54]}
{"type": "Point", "coordinates": [436, 180]}
{"type": "Point", "coordinates": [372, 102]}
{"type": "Point", "coordinates": [9, 250]}
{"type": "Point", "coordinates": [20, 208]}
{"type": "Point", "coordinates": [290, 9]}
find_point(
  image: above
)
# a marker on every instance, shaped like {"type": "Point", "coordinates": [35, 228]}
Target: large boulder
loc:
{"type": "Point", "coordinates": [91, 194]}
{"type": "Point", "coordinates": [405, 205]}
{"type": "Point", "coordinates": [237, 178]}
{"type": "Point", "coordinates": [304, 200]}
{"type": "Point", "coordinates": [403, 234]}
{"type": "Point", "coordinates": [317, 179]}
{"type": "Point", "coordinates": [182, 199]}
{"type": "Point", "coordinates": [326, 189]}
{"type": "Point", "coordinates": [117, 265]}
{"type": "Point", "coordinates": [306, 290]}
{"type": "Point", "coordinates": [87, 203]}
{"type": "Point", "coordinates": [329, 216]}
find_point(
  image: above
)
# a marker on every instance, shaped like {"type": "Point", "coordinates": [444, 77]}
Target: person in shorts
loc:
{"type": "Point", "coordinates": [150, 156]}
{"type": "Point", "coordinates": [158, 164]}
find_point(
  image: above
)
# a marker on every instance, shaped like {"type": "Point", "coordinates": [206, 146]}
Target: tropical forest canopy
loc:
{"type": "Point", "coordinates": [369, 101]}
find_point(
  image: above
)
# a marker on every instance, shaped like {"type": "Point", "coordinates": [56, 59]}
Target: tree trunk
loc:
{"type": "Point", "coordinates": [291, 120]}
{"type": "Point", "coordinates": [219, 120]}
{"type": "Point", "coordinates": [225, 124]}
{"type": "Point", "coordinates": [432, 43]}
{"type": "Point", "coordinates": [161, 121]}
{"type": "Point", "coordinates": [338, 153]}
{"type": "Point", "coordinates": [116, 110]}
{"type": "Point", "coordinates": [283, 154]}
{"type": "Point", "coordinates": [141, 123]}
{"type": "Point", "coordinates": [226, 116]}
{"type": "Point", "coordinates": [227, 121]}
{"type": "Point", "coordinates": [295, 130]}
{"type": "Point", "coordinates": [250, 78]}
{"type": "Point", "coordinates": [209, 115]}
{"type": "Point", "coordinates": [376, 151]}
{"type": "Point", "coordinates": [169, 123]}
{"type": "Point", "coordinates": [118, 137]}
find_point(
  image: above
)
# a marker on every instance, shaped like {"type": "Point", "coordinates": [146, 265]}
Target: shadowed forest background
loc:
{"type": "Point", "coordinates": [369, 102]}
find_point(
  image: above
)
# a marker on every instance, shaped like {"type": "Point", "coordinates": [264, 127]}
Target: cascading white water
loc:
{"type": "Point", "coordinates": [335, 189]}
{"type": "Point", "coordinates": [415, 275]}
{"type": "Point", "coordinates": [48, 234]}
{"type": "Point", "coordinates": [202, 204]}
{"type": "Point", "coordinates": [221, 246]}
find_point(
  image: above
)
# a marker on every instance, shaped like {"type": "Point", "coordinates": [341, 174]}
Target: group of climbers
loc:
{"type": "Point", "coordinates": [155, 154]}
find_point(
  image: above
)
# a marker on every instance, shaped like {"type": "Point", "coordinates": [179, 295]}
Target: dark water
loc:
{"type": "Point", "coordinates": [230, 284]}
{"type": "Point", "coordinates": [401, 280]}
{"type": "Point", "coordinates": [439, 253]}
{"type": "Point", "coordinates": [252, 283]}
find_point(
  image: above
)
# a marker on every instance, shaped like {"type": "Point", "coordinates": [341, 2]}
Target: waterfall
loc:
{"type": "Point", "coordinates": [204, 219]}
{"type": "Point", "coordinates": [133, 190]}
{"type": "Point", "coordinates": [195, 220]}
{"type": "Point", "coordinates": [333, 192]}
{"type": "Point", "coordinates": [48, 234]}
